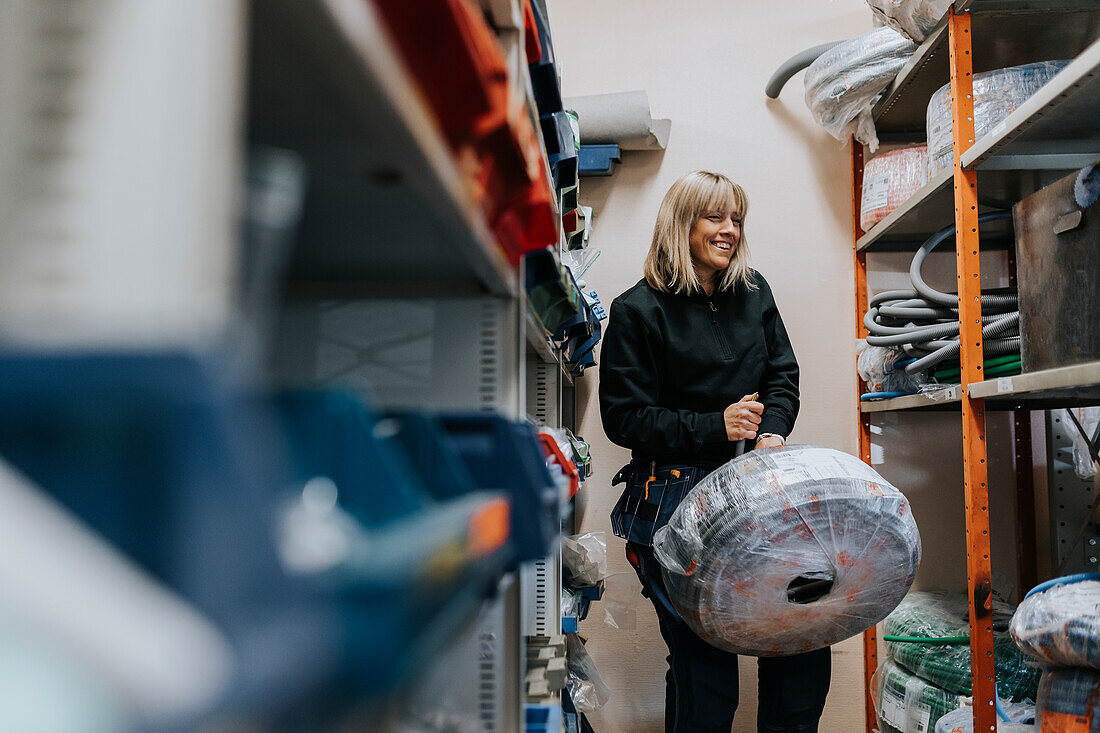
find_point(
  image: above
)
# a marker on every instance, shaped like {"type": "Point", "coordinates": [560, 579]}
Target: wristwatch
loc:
{"type": "Point", "coordinates": [772, 435]}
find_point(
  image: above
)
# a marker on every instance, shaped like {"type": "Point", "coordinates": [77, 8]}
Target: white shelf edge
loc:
{"type": "Point", "coordinates": [910, 402]}
{"type": "Point", "coordinates": [359, 25]}
{"type": "Point", "coordinates": [1069, 377]}
{"type": "Point", "coordinates": [1045, 100]}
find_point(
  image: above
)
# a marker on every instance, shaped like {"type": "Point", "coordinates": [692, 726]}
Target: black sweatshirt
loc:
{"type": "Point", "coordinates": [671, 364]}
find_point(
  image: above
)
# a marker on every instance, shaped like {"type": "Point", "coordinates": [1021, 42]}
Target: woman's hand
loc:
{"type": "Point", "coordinates": [743, 418]}
{"type": "Point", "coordinates": [769, 441]}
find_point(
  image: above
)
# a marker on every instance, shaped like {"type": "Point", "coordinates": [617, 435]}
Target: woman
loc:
{"type": "Point", "coordinates": [695, 364]}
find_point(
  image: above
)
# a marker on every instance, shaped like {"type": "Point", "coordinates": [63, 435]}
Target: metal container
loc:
{"type": "Point", "coordinates": [1058, 269]}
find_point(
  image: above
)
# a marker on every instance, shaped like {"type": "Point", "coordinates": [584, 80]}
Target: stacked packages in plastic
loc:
{"type": "Point", "coordinates": [906, 703]}
{"type": "Point", "coordinates": [889, 180]}
{"type": "Point", "coordinates": [788, 550]}
{"type": "Point", "coordinates": [920, 684]}
{"type": "Point", "coordinates": [996, 95]}
{"type": "Point", "coordinates": [1060, 627]}
{"type": "Point", "coordinates": [844, 82]}
{"type": "Point", "coordinates": [941, 615]}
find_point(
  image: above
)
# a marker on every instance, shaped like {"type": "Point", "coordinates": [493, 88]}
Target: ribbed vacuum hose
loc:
{"type": "Point", "coordinates": [924, 322]}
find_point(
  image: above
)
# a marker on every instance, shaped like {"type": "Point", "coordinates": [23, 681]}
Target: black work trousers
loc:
{"type": "Point", "coordinates": [701, 684]}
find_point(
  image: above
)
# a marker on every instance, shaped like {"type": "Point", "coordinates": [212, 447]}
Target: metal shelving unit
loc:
{"type": "Point", "coordinates": [1057, 130]}
{"type": "Point", "coordinates": [397, 286]}
{"type": "Point", "coordinates": [327, 83]}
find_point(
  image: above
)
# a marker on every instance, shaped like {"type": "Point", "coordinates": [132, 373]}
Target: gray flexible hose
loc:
{"type": "Point", "coordinates": [991, 331]}
{"type": "Point", "coordinates": [924, 322]}
{"type": "Point", "coordinates": [990, 303]}
{"type": "Point", "coordinates": [792, 66]}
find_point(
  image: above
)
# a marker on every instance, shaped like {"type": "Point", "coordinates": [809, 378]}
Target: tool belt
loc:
{"type": "Point", "coordinates": [653, 491]}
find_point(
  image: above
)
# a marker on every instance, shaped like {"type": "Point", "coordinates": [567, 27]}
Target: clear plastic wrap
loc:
{"type": "Point", "coordinates": [1061, 626]}
{"type": "Point", "coordinates": [1068, 701]}
{"type": "Point", "coordinates": [788, 550]}
{"type": "Point", "coordinates": [914, 19]}
{"type": "Point", "coordinates": [843, 83]}
{"type": "Point", "coordinates": [878, 367]}
{"type": "Point", "coordinates": [1083, 465]}
{"type": "Point", "coordinates": [1021, 719]}
{"type": "Point", "coordinates": [938, 615]}
{"type": "Point", "coordinates": [996, 95]}
{"type": "Point", "coordinates": [584, 559]}
{"type": "Point", "coordinates": [889, 180]}
{"type": "Point", "coordinates": [904, 703]}
{"type": "Point", "coordinates": [586, 688]}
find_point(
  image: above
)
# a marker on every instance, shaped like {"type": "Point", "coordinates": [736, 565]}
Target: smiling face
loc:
{"type": "Point", "coordinates": [714, 238]}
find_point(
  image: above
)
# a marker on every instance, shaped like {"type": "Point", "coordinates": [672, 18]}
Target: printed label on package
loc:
{"type": "Point", "coordinates": [892, 710]}
{"type": "Point", "coordinates": [819, 465]}
{"type": "Point", "coordinates": [876, 191]}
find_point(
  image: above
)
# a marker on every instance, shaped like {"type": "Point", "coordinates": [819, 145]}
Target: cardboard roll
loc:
{"type": "Point", "coordinates": [789, 550]}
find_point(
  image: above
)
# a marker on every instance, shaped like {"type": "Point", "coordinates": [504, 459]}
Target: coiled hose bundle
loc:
{"type": "Point", "coordinates": [924, 322]}
{"type": "Point", "coordinates": [1061, 625]}
{"type": "Point", "coordinates": [788, 550]}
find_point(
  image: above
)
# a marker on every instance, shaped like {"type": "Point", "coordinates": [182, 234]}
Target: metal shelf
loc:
{"type": "Point", "coordinates": [933, 207]}
{"type": "Point", "coordinates": [1059, 127]}
{"type": "Point", "coordinates": [1005, 33]}
{"type": "Point", "coordinates": [1074, 385]}
{"type": "Point", "coordinates": [950, 401]}
{"type": "Point", "coordinates": [386, 202]}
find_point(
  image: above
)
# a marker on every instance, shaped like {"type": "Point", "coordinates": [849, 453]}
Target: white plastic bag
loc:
{"type": "Point", "coordinates": [586, 688]}
{"type": "Point", "coordinates": [584, 559]}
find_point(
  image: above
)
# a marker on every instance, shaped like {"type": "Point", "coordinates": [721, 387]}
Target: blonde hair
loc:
{"type": "Point", "coordinates": [668, 265]}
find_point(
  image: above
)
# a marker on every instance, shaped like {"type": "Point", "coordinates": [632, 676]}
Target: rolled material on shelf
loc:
{"type": "Point", "coordinates": [843, 83]}
{"type": "Point", "coordinates": [788, 550]}
{"type": "Point", "coordinates": [1061, 626]}
{"type": "Point", "coordinates": [1068, 701]}
{"type": "Point", "coordinates": [996, 95]}
{"type": "Point", "coordinates": [941, 615]}
{"type": "Point", "coordinates": [905, 703]}
{"type": "Point", "coordinates": [914, 19]}
{"type": "Point", "coordinates": [889, 180]}
{"type": "Point", "coordinates": [620, 118]}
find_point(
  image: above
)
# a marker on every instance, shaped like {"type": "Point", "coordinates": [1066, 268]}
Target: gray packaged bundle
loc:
{"type": "Point", "coordinates": [997, 94]}
{"type": "Point", "coordinates": [1061, 626]}
{"type": "Point", "coordinates": [843, 83]}
{"type": "Point", "coordinates": [788, 550]}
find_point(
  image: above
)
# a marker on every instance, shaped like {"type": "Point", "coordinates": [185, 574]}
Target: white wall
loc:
{"type": "Point", "coordinates": [704, 63]}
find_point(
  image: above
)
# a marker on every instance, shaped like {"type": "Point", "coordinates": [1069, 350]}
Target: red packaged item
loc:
{"type": "Point", "coordinates": [889, 180]}
{"type": "Point", "coordinates": [531, 34]}
{"type": "Point", "coordinates": [454, 57]}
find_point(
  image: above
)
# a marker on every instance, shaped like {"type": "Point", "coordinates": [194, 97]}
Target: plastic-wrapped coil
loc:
{"type": "Point", "coordinates": [996, 95]}
{"type": "Point", "coordinates": [788, 550]}
{"type": "Point", "coordinates": [914, 19]}
{"type": "Point", "coordinates": [889, 180]}
{"type": "Point", "coordinates": [843, 83]}
{"type": "Point", "coordinates": [1061, 626]}
{"type": "Point", "coordinates": [1069, 700]}
{"type": "Point", "coordinates": [882, 369]}
{"type": "Point", "coordinates": [1021, 719]}
{"type": "Point", "coordinates": [938, 615]}
{"type": "Point", "coordinates": [904, 703]}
